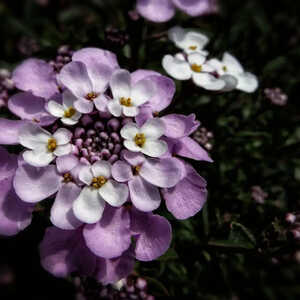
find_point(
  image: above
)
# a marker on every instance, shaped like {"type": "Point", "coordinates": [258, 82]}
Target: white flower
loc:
{"type": "Point", "coordinates": [65, 111]}
{"type": "Point", "coordinates": [146, 138]}
{"type": "Point", "coordinates": [189, 41]}
{"type": "Point", "coordinates": [128, 98]}
{"type": "Point", "coordinates": [194, 67]}
{"type": "Point", "coordinates": [230, 70]}
{"type": "Point", "coordinates": [44, 146]}
{"type": "Point", "coordinates": [100, 188]}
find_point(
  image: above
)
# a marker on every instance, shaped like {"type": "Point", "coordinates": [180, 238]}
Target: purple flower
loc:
{"type": "Point", "coordinates": [164, 10]}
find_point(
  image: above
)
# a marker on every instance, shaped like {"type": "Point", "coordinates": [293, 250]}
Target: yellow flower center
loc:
{"type": "Point", "coordinates": [70, 112]}
{"type": "Point", "coordinates": [140, 139]}
{"type": "Point", "coordinates": [91, 96]}
{"type": "Point", "coordinates": [224, 68]}
{"type": "Point", "coordinates": [67, 177]}
{"type": "Point", "coordinates": [98, 182]}
{"type": "Point", "coordinates": [196, 68]}
{"type": "Point", "coordinates": [193, 47]}
{"type": "Point", "coordinates": [51, 144]}
{"type": "Point", "coordinates": [125, 101]}
{"type": "Point", "coordinates": [136, 170]}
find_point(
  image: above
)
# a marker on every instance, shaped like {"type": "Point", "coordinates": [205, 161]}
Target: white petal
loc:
{"type": "Point", "coordinates": [115, 108]}
{"type": "Point", "coordinates": [38, 158]}
{"type": "Point", "coordinates": [177, 35]}
{"type": "Point", "coordinates": [130, 111]}
{"type": "Point", "coordinates": [180, 56]}
{"type": "Point", "coordinates": [196, 58]}
{"type": "Point", "coordinates": [32, 136]}
{"type": "Point", "coordinates": [129, 131]}
{"type": "Point", "coordinates": [86, 175]}
{"type": "Point", "coordinates": [63, 149]}
{"type": "Point", "coordinates": [68, 99]}
{"type": "Point", "coordinates": [153, 129]}
{"type": "Point", "coordinates": [247, 82]}
{"type": "Point", "coordinates": [207, 68]}
{"type": "Point", "coordinates": [143, 91]}
{"type": "Point", "coordinates": [194, 39]}
{"type": "Point", "coordinates": [101, 168]}
{"type": "Point", "coordinates": [231, 82]}
{"type": "Point", "coordinates": [176, 68]}
{"type": "Point", "coordinates": [154, 148]}
{"type": "Point", "coordinates": [55, 109]}
{"type": "Point", "coordinates": [120, 84]}
{"type": "Point", "coordinates": [217, 65]}
{"type": "Point", "coordinates": [89, 206]}
{"type": "Point", "coordinates": [208, 81]}
{"type": "Point", "coordinates": [62, 136]}
{"type": "Point", "coordinates": [69, 121]}
{"type": "Point", "coordinates": [232, 64]}
{"type": "Point", "coordinates": [131, 145]}
{"type": "Point", "coordinates": [114, 193]}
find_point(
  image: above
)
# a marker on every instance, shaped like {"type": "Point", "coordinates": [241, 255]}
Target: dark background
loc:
{"type": "Point", "coordinates": [235, 248]}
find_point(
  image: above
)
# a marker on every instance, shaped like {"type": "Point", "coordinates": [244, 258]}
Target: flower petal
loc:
{"type": "Point", "coordinates": [144, 196]}
{"type": "Point", "coordinates": [101, 168]}
{"type": "Point", "coordinates": [153, 129]}
{"type": "Point", "coordinates": [66, 163]}
{"type": "Point", "coordinates": [208, 81]}
{"type": "Point", "coordinates": [62, 215]}
{"type": "Point", "coordinates": [197, 7]}
{"type": "Point", "coordinates": [154, 235]}
{"type": "Point", "coordinates": [154, 148]}
{"type": "Point", "coordinates": [129, 131]}
{"type": "Point", "coordinates": [63, 252]}
{"type": "Point", "coordinates": [35, 184]}
{"type": "Point", "coordinates": [62, 150]}
{"type": "Point", "coordinates": [55, 109]}
{"type": "Point", "coordinates": [114, 193]}
{"type": "Point", "coordinates": [38, 158]}
{"type": "Point", "coordinates": [112, 232]}
{"type": "Point", "coordinates": [62, 136]}
{"type": "Point", "coordinates": [131, 111]}
{"type": "Point", "coordinates": [188, 196]}
{"type": "Point", "coordinates": [36, 76]}
{"type": "Point", "coordinates": [101, 102]}
{"type": "Point", "coordinates": [89, 206]}
{"type": "Point", "coordinates": [84, 106]}
{"type": "Point", "coordinates": [29, 107]}
{"type": "Point", "coordinates": [247, 82]}
{"type": "Point", "coordinates": [9, 131]}
{"type": "Point", "coordinates": [114, 107]}
{"type": "Point", "coordinates": [131, 145]}
{"type": "Point", "coordinates": [232, 64]}
{"type": "Point", "coordinates": [196, 58]}
{"type": "Point", "coordinates": [86, 175]}
{"type": "Point", "coordinates": [134, 159]}
{"type": "Point", "coordinates": [176, 68]}
{"type": "Point", "coordinates": [75, 77]}
{"type": "Point", "coordinates": [120, 84]}
{"type": "Point", "coordinates": [161, 172]}
{"type": "Point", "coordinates": [8, 164]}
{"type": "Point", "coordinates": [230, 81]}
{"type": "Point", "coordinates": [142, 91]}
{"type": "Point", "coordinates": [156, 10]}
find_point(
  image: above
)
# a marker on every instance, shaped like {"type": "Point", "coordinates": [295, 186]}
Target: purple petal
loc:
{"type": "Point", "coordinates": [165, 88]}
{"type": "Point", "coordinates": [133, 158]}
{"type": "Point", "coordinates": [34, 184]}
{"type": "Point", "coordinates": [66, 163]}
{"type": "Point", "coordinates": [145, 113]}
{"type": "Point", "coordinates": [156, 10]}
{"type": "Point", "coordinates": [121, 171]}
{"type": "Point", "coordinates": [62, 215]}
{"type": "Point", "coordinates": [197, 7]}
{"type": "Point", "coordinates": [187, 147]}
{"type": "Point", "coordinates": [161, 172]}
{"type": "Point", "coordinates": [89, 55]}
{"type": "Point", "coordinates": [29, 107]}
{"type": "Point", "coordinates": [188, 196]}
{"type": "Point", "coordinates": [63, 252]}
{"type": "Point", "coordinates": [15, 215]}
{"type": "Point", "coordinates": [112, 232]}
{"type": "Point", "coordinates": [177, 126]}
{"type": "Point", "coordinates": [9, 131]}
{"type": "Point", "coordinates": [154, 234]}
{"type": "Point", "coordinates": [113, 270]}
{"type": "Point", "coordinates": [8, 164]}
{"type": "Point", "coordinates": [36, 76]}
{"type": "Point", "coordinates": [144, 195]}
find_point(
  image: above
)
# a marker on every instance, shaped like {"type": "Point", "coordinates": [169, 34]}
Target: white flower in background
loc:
{"type": "Point", "coordinates": [230, 70]}
{"type": "Point", "coordinates": [146, 138]}
{"type": "Point", "coordinates": [128, 98]}
{"type": "Point", "coordinates": [44, 145]}
{"type": "Point", "coordinates": [100, 188]}
{"type": "Point", "coordinates": [65, 111]}
{"type": "Point", "coordinates": [195, 67]}
{"type": "Point", "coordinates": [188, 41]}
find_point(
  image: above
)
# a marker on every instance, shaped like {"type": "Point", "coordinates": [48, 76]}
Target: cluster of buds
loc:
{"type": "Point", "coordinates": [64, 56]}
{"type": "Point", "coordinates": [293, 219]}
{"type": "Point", "coordinates": [276, 96]}
{"type": "Point", "coordinates": [258, 195]}
{"type": "Point", "coordinates": [6, 86]}
{"type": "Point", "coordinates": [204, 137]}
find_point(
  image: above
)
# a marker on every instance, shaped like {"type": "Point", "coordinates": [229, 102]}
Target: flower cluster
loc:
{"type": "Point", "coordinates": [6, 87]}
{"type": "Point", "coordinates": [164, 10]}
{"type": "Point", "coordinates": [211, 74]}
{"type": "Point", "coordinates": [94, 141]}
{"type": "Point", "coordinates": [276, 96]}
